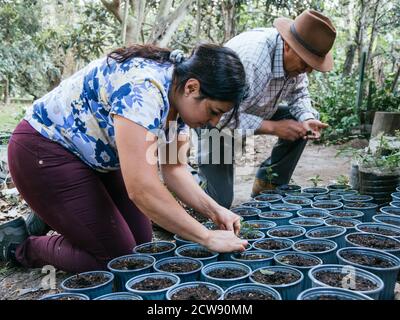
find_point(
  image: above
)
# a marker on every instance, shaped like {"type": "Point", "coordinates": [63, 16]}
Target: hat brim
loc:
{"type": "Point", "coordinates": [322, 64]}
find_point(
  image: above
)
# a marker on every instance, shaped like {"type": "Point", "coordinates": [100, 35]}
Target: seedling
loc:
{"type": "Point", "coordinates": [315, 180]}
{"type": "Point", "coordinates": [270, 174]}
{"type": "Point", "coordinates": [343, 180]}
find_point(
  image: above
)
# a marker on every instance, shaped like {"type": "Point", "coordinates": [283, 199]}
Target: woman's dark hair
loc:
{"type": "Point", "coordinates": [218, 69]}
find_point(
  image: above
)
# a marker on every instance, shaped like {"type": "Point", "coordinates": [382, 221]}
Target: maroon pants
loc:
{"type": "Point", "coordinates": [91, 211]}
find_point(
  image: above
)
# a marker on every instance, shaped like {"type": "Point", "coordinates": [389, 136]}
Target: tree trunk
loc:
{"type": "Point", "coordinates": [351, 48]}
{"type": "Point", "coordinates": [386, 122]}
{"type": "Point", "coordinates": [6, 98]}
{"type": "Point", "coordinates": [361, 25]}
{"type": "Point", "coordinates": [228, 13]}
{"type": "Point", "coordinates": [396, 79]}
{"type": "Point", "coordinates": [373, 33]}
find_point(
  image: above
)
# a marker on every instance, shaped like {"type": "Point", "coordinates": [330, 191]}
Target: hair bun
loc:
{"type": "Point", "coordinates": [177, 56]}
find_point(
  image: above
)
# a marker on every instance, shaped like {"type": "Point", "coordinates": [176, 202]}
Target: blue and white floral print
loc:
{"type": "Point", "coordinates": [78, 113]}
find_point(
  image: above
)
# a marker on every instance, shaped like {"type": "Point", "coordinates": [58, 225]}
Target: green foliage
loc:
{"type": "Point", "coordinates": [343, 180]}
{"type": "Point", "coordinates": [315, 180]}
{"type": "Point", "coordinates": [270, 174]}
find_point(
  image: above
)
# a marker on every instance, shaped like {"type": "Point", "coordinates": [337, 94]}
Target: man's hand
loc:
{"type": "Point", "coordinates": [288, 129]}
{"type": "Point", "coordinates": [314, 126]}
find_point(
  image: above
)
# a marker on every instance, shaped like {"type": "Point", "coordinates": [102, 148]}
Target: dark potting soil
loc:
{"type": "Point", "coordinates": [130, 264]}
{"type": "Point", "coordinates": [155, 248]}
{"type": "Point", "coordinates": [272, 245]}
{"type": "Point", "coordinates": [367, 260]}
{"type": "Point", "coordinates": [312, 247]}
{"type": "Point", "coordinates": [296, 201]}
{"type": "Point", "coordinates": [259, 225]}
{"type": "Point", "coordinates": [196, 253]}
{"type": "Point", "coordinates": [335, 279]}
{"type": "Point", "coordinates": [275, 277]}
{"type": "Point", "coordinates": [328, 297]}
{"type": "Point", "coordinates": [250, 235]}
{"type": "Point", "coordinates": [314, 215]}
{"type": "Point", "coordinates": [381, 231]}
{"type": "Point", "coordinates": [343, 214]}
{"type": "Point", "coordinates": [256, 205]}
{"type": "Point", "coordinates": [267, 198]}
{"type": "Point", "coordinates": [274, 215]}
{"type": "Point", "coordinates": [359, 205]}
{"type": "Point", "coordinates": [299, 261]}
{"type": "Point", "coordinates": [150, 284]}
{"type": "Point", "coordinates": [227, 273]}
{"type": "Point", "coordinates": [285, 233]}
{"type": "Point", "coordinates": [251, 256]}
{"type": "Point", "coordinates": [86, 281]}
{"type": "Point", "coordinates": [325, 206]}
{"type": "Point", "coordinates": [393, 211]}
{"type": "Point", "coordinates": [285, 208]}
{"type": "Point", "coordinates": [324, 234]}
{"type": "Point", "coordinates": [305, 223]}
{"type": "Point", "coordinates": [249, 295]}
{"type": "Point", "coordinates": [68, 298]}
{"type": "Point", "coordinates": [342, 223]}
{"type": "Point", "coordinates": [372, 241]}
{"type": "Point", "coordinates": [200, 292]}
{"type": "Point", "coordinates": [179, 267]}
{"type": "Point", "coordinates": [393, 222]}
{"type": "Point", "coordinates": [245, 212]}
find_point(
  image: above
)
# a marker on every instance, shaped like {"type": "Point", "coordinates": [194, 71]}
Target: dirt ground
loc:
{"type": "Point", "coordinates": [20, 283]}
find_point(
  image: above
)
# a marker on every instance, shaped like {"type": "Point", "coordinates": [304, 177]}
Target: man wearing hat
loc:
{"type": "Point", "coordinates": [277, 61]}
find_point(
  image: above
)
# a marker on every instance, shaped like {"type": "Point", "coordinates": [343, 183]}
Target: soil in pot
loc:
{"type": "Point", "coordinates": [275, 214]}
{"type": "Point", "coordinates": [382, 231]}
{"type": "Point", "coordinates": [179, 267]}
{"type": "Point", "coordinates": [294, 201]}
{"type": "Point", "coordinates": [313, 247]}
{"type": "Point", "coordinates": [248, 235]}
{"type": "Point", "coordinates": [367, 260]}
{"type": "Point", "coordinates": [272, 245]}
{"type": "Point", "coordinates": [335, 279]}
{"type": "Point", "coordinates": [196, 253]}
{"type": "Point", "coordinates": [86, 281]}
{"type": "Point", "coordinates": [275, 277]}
{"type": "Point", "coordinates": [325, 205]}
{"type": "Point", "coordinates": [251, 256]}
{"type": "Point", "coordinates": [342, 214]}
{"type": "Point", "coordinates": [297, 260]}
{"type": "Point", "coordinates": [249, 295]}
{"type": "Point", "coordinates": [305, 223]}
{"type": "Point", "coordinates": [130, 264]}
{"type": "Point", "coordinates": [151, 284]}
{"type": "Point", "coordinates": [394, 211]}
{"type": "Point", "coordinates": [154, 248]}
{"type": "Point", "coordinates": [285, 233]}
{"type": "Point", "coordinates": [69, 298]}
{"type": "Point", "coordinates": [324, 234]}
{"type": "Point", "coordinates": [200, 292]}
{"type": "Point", "coordinates": [227, 273]}
{"type": "Point", "coordinates": [371, 241]}
{"type": "Point", "coordinates": [245, 212]}
{"type": "Point", "coordinates": [359, 205]}
{"type": "Point", "coordinates": [342, 223]}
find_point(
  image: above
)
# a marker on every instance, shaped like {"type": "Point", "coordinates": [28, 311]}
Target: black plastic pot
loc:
{"type": "Point", "coordinates": [378, 186]}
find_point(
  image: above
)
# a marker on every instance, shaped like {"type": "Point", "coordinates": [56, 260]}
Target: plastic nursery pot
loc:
{"type": "Point", "coordinates": [398, 189]}
{"type": "Point", "coordinates": [391, 210]}
{"type": "Point", "coordinates": [313, 213]}
{"type": "Point", "coordinates": [322, 248]}
{"type": "Point", "coordinates": [226, 256]}
{"type": "Point", "coordinates": [328, 293]}
{"type": "Point", "coordinates": [287, 232]}
{"type": "Point", "coordinates": [261, 225]}
{"type": "Point", "coordinates": [92, 283]}
{"type": "Point", "coordinates": [347, 277]}
{"type": "Point", "coordinates": [356, 198]}
{"type": "Point", "coordinates": [396, 196]}
{"type": "Point", "coordinates": [279, 217]}
{"type": "Point", "coordinates": [180, 241]}
{"type": "Point", "coordinates": [129, 266]}
{"type": "Point", "coordinates": [343, 193]}
{"type": "Point", "coordinates": [247, 213]}
{"type": "Point", "coordinates": [316, 191]}
{"type": "Point", "coordinates": [254, 258]}
{"type": "Point", "coordinates": [120, 296]}
{"type": "Point", "coordinates": [334, 233]}
{"type": "Point", "coordinates": [293, 208]}
{"type": "Point", "coordinates": [65, 296]}
{"type": "Point", "coordinates": [270, 198]}
{"type": "Point", "coordinates": [287, 281]}
{"type": "Point", "coordinates": [327, 197]}
{"type": "Point", "coordinates": [338, 187]}
{"type": "Point", "coordinates": [306, 223]}
{"type": "Point", "coordinates": [301, 201]}
{"type": "Point", "coordinates": [251, 291]}
{"type": "Point", "coordinates": [348, 224]}
{"type": "Point", "coordinates": [196, 290]}
{"type": "Point", "coordinates": [301, 261]}
{"type": "Point", "coordinates": [387, 219]}
{"type": "Point", "coordinates": [152, 286]}
{"type": "Point", "coordinates": [268, 191]}
{"type": "Point", "coordinates": [273, 245]}
{"type": "Point", "coordinates": [251, 235]}
{"type": "Point", "coordinates": [225, 273]}
{"type": "Point", "coordinates": [288, 187]}
{"type": "Point", "coordinates": [395, 204]}
{"type": "Point", "coordinates": [347, 214]}
{"type": "Point", "coordinates": [385, 265]}
{"type": "Point", "coordinates": [262, 205]}
{"type": "Point", "coordinates": [373, 241]}
{"type": "Point", "coordinates": [328, 205]}
{"type": "Point", "coordinates": [157, 249]}
{"type": "Point", "coordinates": [198, 252]}
{"type": "Point", "coordinates": [187, 269]}
{"type": "Point", "coordinates": [299, 194]}
{"type": "Point", "coordinates": [369, 209]}
{"type": "Point", "coordinates": [379, 228]}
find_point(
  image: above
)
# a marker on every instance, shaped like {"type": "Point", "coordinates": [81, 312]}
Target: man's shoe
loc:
{"type": "Point", "coordinates": [261, 185]}
{"type": "Point", "coordinates": [36, 226]}
{"type": "Point", "coordinates": [12, 234]}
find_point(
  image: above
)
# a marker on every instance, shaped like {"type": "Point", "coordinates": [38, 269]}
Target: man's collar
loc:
{"type": "Point", "coordinates": [277, 68]}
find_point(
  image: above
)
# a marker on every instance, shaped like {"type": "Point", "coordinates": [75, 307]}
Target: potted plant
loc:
{"type": "Point", "coordinates": [348, 224]}
{"type": "Point", "coordinates": [293, 208]}
{"type": "Point", "coordinates": [288, 232]}
{"type": "Point", "coordinates": [288, 187]}
{"type": "Point", "coordinates": [129, 266]}
{"type": "Point", "coordinates": [333, 233]}
{"type": "Point", "coordinates": [197, 290]}
{"type": "Point", "coordinates": [157, 249]}
{"type": "Point", "coordinates": [306, 223]}
{"type": "Point", "coordinates": [247, 213]}
{"type": "Point", "coordinates": [273, 245]}
{"type": "Point", "coordinates": [250, 234]}
{"type": "Point", "coordinates": [313, 213]}
{"type": "Point", "coordinates": [270, 198]}
{"type": "Point", "coordinates": [152, 286]}
{"type": "Point", "coordinates": [279, 217]}
{"type": "Point", "coordinates": [322, 248]}
{"type": "Point", "coordinates": [65, 296]}
{"type": "Point", "coordinates": [198, 252]}
{"type": "Point", "coordinates": [373, 241]}
{"type": "Point", "coordinates": [347, 214]}
{"type": "Point", "coordinates": [369, 209]}
{"type": "Point", "coordinates": [287, 281]}
{"type": "Point", "coordinates": [92, 283]}
{"type": "Point", "coordinates": [225, 274]}
{"type": "Point", "coordinates": [187, 269]}
{"type": "Point", "coordinates": [346, 277]}
{"type": "Point", "coordinates": [261, 225]}
{"type": "Point", "coordinates": [315, 190]}
{"type": "Point", "coordinates": [270, 176]}
{"type": "Point", "coordinates": [327, 205]}
{"type": "Point", "coordinates": [387, 219]}
{"type": "Point", "coordinates": [379, 228]}
{"type": "Point", "coordinates": [303, 202]}
{"type": "Point", "coordinates": [261, 205]}
{"type": "Point", "coordinates": [120, 296]}
{"type": "Point", "coordinates": [301, 261]}
{"type": "Point", "coordinates": [251, 291]}
{"type": "Point", "coordinates": [385, 265]}
{"type": "Point", "coordinates": [328, 293]}
{"type": "Point", "coordinates": [254, 258]}
{"type": "Point", "coordinates": [299, 194]}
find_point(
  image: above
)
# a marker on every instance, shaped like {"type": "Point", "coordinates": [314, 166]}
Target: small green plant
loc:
{"type": "Point", "coordinates": [343, 180]}
{"type": "Point", "coordinates": [246, 230]}
{"type": "Point", "coordinates": [315, 180]}
{"type": "Point", "coordinates": [270, 174]}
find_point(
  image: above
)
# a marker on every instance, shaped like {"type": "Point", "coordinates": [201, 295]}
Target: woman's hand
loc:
{"type": "Point", "coordinates": [227, 220]}
{"type": "Point", "coordinates": [224, 241]}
